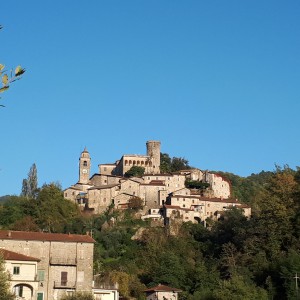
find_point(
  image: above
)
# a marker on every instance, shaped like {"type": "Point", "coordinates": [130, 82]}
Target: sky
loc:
{"type": "Point", "coordinates": [217, 82]}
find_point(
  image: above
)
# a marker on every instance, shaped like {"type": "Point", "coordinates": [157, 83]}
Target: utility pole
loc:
{"type": "Point", "coordinates": [296, 279]}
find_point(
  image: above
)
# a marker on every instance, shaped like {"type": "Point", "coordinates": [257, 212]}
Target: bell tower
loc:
{"type": "Point", "coordinates": [84, 167]}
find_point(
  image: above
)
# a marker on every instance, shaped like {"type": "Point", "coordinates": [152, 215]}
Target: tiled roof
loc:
{"type": "Point", "coordinates": [207, 199]}
{"type": "Point", "coordinates": [155, 183]}
{"type": "Point", "coordinates": [44, 236]}
{"type": "Point", "coordinates": [10, 255]}
{"type": "Point", "coordinates": [162, 288]}
{"type": "Point", "coordinates": [104, 186]}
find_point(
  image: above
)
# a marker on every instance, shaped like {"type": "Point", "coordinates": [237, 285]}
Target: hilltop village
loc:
{"type": "Point", "coordinates": [164, 196]}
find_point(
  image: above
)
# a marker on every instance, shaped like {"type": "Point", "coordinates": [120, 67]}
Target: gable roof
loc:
{"type": "Point", "coordinates": [162, 288]}
{"type": "Point", "coordinates": [10, 255]}
{"type": "Point", "coordinates": [44, 236]}
{"type": "Point", "coordinates": [104, 186]}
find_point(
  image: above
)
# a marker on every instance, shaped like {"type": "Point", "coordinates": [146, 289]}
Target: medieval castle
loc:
{"type": "Point", "coordinates": [163, 195]}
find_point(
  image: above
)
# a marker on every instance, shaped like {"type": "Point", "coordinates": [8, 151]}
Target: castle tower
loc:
{"type": "Point", "coordinates": [84, 167]}
{"type": "Point", "coordinates": [153, 150]}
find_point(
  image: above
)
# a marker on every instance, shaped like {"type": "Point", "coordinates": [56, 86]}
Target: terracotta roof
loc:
{"type": "Point", "coordinates": [207, 199]}
{"type": "Point", "coordinates": [104, 186]}
{"type": "Point", "coordinates": [162, 288]}
{"type": "Point", "coordinates": [44, 236]}
{"type": "Point", "coordinates": [155, 183]}
{"type": "Point", "coordinates": [10, 255]}
{"type": "Point", "coordinates": [172, 206]}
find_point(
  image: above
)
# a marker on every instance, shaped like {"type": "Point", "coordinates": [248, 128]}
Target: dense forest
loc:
{"type": "Point", "coordinates": [232, 258]}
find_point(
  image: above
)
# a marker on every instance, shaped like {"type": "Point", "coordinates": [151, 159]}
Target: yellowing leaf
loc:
{"type": "Point", "coordinates": [4, 89]}
{"type": "Point", "coordinates": [5, 79]}
{"type": "Point", "coordinates": [1, 67]}
{"type": "Point", "coordinates": [19, 71]}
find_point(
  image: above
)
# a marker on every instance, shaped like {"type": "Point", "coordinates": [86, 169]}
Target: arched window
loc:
{"type": "Point", "coordinates": [85, 163]}
{"type": "Point", "coordinates": [126, 162]}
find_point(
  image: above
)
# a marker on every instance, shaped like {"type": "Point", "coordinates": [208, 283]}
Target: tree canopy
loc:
{"type": "Point", "coordinates": [235, 258]}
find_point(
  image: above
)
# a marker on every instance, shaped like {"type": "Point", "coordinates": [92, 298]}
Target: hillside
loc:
{"type": "Point", "coordinates": [234, 258]}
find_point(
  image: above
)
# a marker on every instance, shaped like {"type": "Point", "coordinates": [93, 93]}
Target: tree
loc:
{"type": "Point", "coordinates": [9, 76]}
{"type": "Point", "coordinates": [54, 212]}
{"type": "Point", "coordinates": [135, 203]}
{"type": "Point", "coordinates": [4, 282]}
{"type": "Point", "coordinates": [135, 171]}
{"type": "Point", "coordinates": [30, 185]}
{"type": "Point", "coordinates": [174, 164]}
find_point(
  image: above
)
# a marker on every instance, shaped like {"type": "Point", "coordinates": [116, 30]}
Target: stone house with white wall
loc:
{"type": "Point", "coordinates": [65, 260]}
{"type": "Point", "coordinates": [23, 274]}
{"type": "Point", "coordinates": [196, 209]}
{"type": "Point", "coordinates": [162, 292]}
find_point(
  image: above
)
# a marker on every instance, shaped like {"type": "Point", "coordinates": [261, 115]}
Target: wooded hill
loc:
{"type": "Point", "coordinates": [234, 258]}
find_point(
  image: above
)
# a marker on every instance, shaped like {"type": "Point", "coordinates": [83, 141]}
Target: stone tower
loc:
{"type": "Point", "coordinates": [153, 150]}
{"type": "Point", "coordinates": [84, 167]}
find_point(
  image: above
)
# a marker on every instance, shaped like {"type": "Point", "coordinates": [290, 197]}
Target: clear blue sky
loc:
{"type": "Point", "coordinates": [217, 82]}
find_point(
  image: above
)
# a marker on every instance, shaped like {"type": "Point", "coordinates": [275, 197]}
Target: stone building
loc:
{"type": "Point", "coordinates": [97, 193]}
{"type": "Point", "coordinates": [195, 208]}
{"type": "Point", "coordinates": [65, 260]}
{"type": "Point", "coordinates": [150, 161]}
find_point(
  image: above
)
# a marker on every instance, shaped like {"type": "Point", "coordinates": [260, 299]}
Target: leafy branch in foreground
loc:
{"type": "Point", "coordinates": [9, 76]}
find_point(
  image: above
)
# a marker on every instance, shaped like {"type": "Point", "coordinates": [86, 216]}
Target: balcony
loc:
{"type": "Point", "coordinates": [62, 261]}
{"type": "Point", "coordinates": [64, 284]}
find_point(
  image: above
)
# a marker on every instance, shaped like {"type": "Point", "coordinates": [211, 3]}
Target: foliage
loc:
{"type": "Point", "coordinates": [174, 164]}
{"type": "Point", "coordinates": [236, 258]}
{"type": "Point", "coordinates": [78, 296]}
{"type": "Point", "coordinates": [195, 184]}
{"type": "Point", "coordinates": [135, 203]}
{"type": "Point", "coordinates": [4, 282]}
{"type": "Point", "coordinates": [135, 171]}
{"type": "Point", "coordinates": [48, 212]}
{"type": "Point", "coordinates": [30, 185]}
{"type": "Point", "coordinates": [9, 76]}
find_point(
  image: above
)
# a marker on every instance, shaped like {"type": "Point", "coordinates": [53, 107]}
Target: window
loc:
{"type": "Point", "coordinates": [85, 163]}
{"type": "Point", "coordinates": [41, 275]}
{"type": "Point", "coordinates": [104, 168]}
{"type": "Point", "coordinates": [183, 205]}
{"type": "Point", "coordinates": [40, 296]}
{"type": "Point", "coordinates": [63, 278]}
{"type": "Point", "coordinates": [16, 270]}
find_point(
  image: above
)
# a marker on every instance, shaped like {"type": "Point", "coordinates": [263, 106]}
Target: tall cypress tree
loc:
{"type": "Point", "coordinates": [30, 185]}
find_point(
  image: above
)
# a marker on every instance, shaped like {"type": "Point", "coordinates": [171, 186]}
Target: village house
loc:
{"type": "Point", "coordinates": [162, 292]}
{"type": "Point", "coordinates": [57, 264]}
{"type": "Point", "coordinates": [23, 274]}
